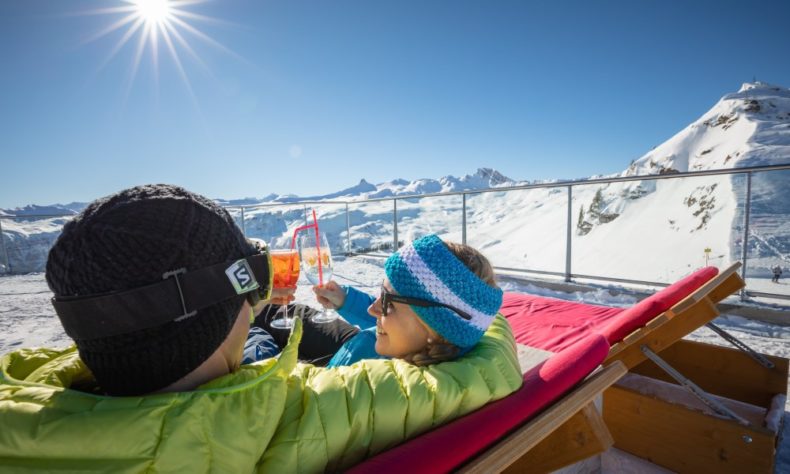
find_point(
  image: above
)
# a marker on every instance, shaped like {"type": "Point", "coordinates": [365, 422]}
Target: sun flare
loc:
{"type": "Point", "coordinates": [154, 11]}
{"type": "Point", "coordinates": [152, 24]}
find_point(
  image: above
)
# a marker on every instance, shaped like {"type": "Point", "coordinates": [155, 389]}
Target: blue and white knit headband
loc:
{"type": "Point", "coordinates": [428, 270]}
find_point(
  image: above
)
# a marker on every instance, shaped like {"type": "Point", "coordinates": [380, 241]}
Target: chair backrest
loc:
{"type": "Point", "coordinates": [641, 313]}
{"type": "Point", "coordinates": [684, 317]}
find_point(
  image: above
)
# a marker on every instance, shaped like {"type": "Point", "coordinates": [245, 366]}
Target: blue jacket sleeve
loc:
{"type": "Point", "coordinates": [355, 308]}
{"type": "Point", "coordinates": [361, 346]}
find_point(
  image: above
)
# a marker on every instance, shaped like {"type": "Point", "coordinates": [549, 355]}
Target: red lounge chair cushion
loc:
{"type": "Point", "coordinates": [552, 324]}
{"type": "Point", "coordinates": [447, 447]}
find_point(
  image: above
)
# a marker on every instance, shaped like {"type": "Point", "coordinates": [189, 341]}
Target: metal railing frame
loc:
{"type": "Point", "coordinates": [568, 275]}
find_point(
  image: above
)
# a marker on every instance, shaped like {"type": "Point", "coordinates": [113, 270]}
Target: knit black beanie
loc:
{"type": "Point", "coordinates": [128, 240]}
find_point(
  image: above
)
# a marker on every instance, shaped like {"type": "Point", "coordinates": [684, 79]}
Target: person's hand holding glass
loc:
{"type": "Point", "coordinates": [312, 251]}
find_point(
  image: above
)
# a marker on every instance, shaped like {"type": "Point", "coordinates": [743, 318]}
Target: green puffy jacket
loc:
{"type": "Point", "coordinates": [276, 415]}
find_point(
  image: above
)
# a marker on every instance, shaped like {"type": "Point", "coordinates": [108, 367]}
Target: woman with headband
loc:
{"type": "Point", "coordinates": [436, 301]}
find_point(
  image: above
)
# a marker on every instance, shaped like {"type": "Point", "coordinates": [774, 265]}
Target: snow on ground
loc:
{"type": "Point", "coordinates": [28, 320]}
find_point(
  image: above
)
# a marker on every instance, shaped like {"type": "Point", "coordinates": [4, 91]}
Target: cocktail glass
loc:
{"type": "Point", "coordinates": [285, 263]}
{"type": "Point", "coordinates": [311, 252]}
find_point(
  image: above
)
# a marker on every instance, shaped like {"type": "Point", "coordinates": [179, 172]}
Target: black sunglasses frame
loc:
{"type": "Point", "coordinates": [387, 298]}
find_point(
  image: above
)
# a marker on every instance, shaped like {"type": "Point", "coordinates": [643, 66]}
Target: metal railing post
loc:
{"type": "Point", "coordinates": [746, 212]}
{"type": "Point", "coordinates": [305, 214]}
{"type": "Point", "coordinates": [5, 250]}
{"type": "Point", "coordinates": [395, 225]}
{"type": "Point", "coordinates": [568, 235]}
{"type": "Point", "coordinates": [243, 229]}
{"type": "Point", "coordinates": [463, 219]}
{"type": "Point", "coordinates": [348, 231]}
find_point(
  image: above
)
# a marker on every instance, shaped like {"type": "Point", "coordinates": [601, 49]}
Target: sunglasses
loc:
{"type": "Point", "coordinates": [388, 298]}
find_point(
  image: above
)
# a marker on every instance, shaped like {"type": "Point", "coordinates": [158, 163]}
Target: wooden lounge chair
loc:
{"type": "Point", "coordinates": [733, 420]}
{"type": "Point", "coordinates": [734, 399]}
{"type": "Point", "coordinates": [569, 428]}
{"type": "Point", "coordinates": [691, 313]}
{"type": "Point", "coordinates": [731, 396]}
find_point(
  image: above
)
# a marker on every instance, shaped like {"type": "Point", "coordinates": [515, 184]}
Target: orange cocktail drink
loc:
{"type": "Point", "coordinates": [286, 267]}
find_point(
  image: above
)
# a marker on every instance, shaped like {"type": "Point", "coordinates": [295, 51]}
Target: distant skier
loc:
{"type": "Point", "coordinates": [777, 273]}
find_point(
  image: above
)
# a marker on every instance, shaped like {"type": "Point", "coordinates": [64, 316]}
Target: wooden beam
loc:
{"type": "Point", "coordinates": [694, 311]}
{"type": "Point", "coordinates": [663, 336]}
{"type": "Point", "coordinates": [582, 436]}
{"type": "Point", "coordinates": [722, 371]}
{"type": "Point", "coordinates": [732, 284]}
{"type": "Point", "coordinates": [716, 289]}
{"type": "Point", "coordinates": [512, 447]}
{"type": "Point", "coordinates": [682, 439]}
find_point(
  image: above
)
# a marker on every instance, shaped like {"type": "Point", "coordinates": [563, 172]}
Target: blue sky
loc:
{"type": "Point", "coordinates": [309, 97]}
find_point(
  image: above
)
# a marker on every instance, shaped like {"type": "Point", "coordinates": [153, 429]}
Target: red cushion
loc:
{"type": "Point", "coordinates": [641, 313]}
{"type": "Point", "coordinates": [447, 447]}
{"type": "Point", "coordinates": [553, 324]}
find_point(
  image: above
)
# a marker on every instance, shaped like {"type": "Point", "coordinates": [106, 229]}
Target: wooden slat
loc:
{"type": "Point", "coordinates": [722, 371]}
{"type": "Point", "coordinates": [684, 317]}
{"type": "Point", "coordinates": [615, 349]}
{"type": "Point", "coordinates": [582, 436]}
{"type": "Point", "coordinates": [684, 440]}
{"type": "Point", "coordinates": [636, 335]}
{"type": "Point", "coordinates": [657, 321]}
{"type": "Point", "coordinates": [668, 333]}
{"type": "Point", "coordinates": [728, 287]}
{"type": "Point", "coordinates": [727, 281]}
{"type": "Point", "coordinates": [512, 447]}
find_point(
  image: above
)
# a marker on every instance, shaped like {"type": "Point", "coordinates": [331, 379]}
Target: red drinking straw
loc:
{"type": "Point", "coordinates": [314, 225]}
{"type": "Point", "coordinates": [318, 248]}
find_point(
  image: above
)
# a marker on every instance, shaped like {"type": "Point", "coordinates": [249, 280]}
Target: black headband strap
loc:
{"type": "Point", "coordinates": [178, 296]}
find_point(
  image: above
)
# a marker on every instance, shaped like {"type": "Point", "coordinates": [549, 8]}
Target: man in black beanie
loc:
{"type": "Point", "coordinates": [140, 237]}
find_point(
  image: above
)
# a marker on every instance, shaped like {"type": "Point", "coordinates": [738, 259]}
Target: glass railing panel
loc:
{"type": "Point", "coordinates": [332, 223]}
{"type": "Point", "coordinates": [656, 230]}
{"type": "Point", "coordinates": [769, 233]}
{"type": "Point", "coordinates": [274, 224]}
{"type": "Point", "coordinates": [371, 225]}
{"type": "Point", "coordinates": [421, 216]}
{"type": "Point", "coordinates": [520, 229]}
{"type": "Point", "coordinates": [236, 214]}
{"type": "Point", "coordinates": [26, 242]}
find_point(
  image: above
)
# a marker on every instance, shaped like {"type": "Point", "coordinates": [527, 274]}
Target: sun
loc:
{"type": "Point", "coordinates": [153, 11]}
{"type": "Point", "coordinates": [155, 25]}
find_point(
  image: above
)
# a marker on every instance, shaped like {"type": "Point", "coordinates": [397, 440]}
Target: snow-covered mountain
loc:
{"type": "Point", "coordinates": [51, 210]}
{"type": "Point", "coordinates": [28, 238]}
{"type": "Point", "coordinates": [748, 128]}
{"type": "Point", "coordinates": [483, 178]}
{"type": "Point", "coordinates": [652, 230]}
